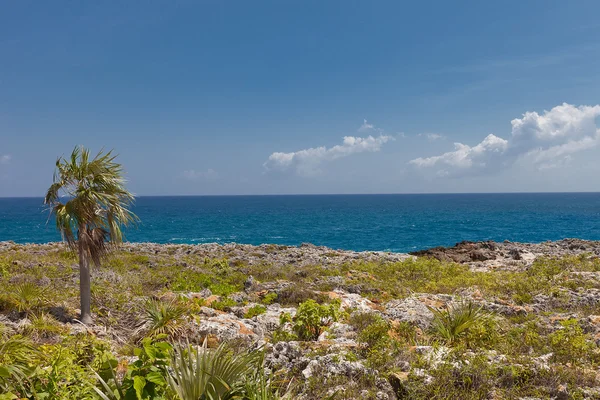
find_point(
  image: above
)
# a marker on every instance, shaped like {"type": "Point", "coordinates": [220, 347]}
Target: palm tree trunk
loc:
{"type": "Point", "coordinates": [85, 290]}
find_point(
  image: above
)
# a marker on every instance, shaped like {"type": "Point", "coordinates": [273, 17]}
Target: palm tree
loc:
{"type": "Point", "coordinates": [90, 221]}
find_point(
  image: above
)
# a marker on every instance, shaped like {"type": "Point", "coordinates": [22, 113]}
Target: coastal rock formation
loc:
{"type": "Point", "coordinates": [507, 254]}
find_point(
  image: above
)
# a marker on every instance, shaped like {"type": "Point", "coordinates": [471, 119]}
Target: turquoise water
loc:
{"type": "Point", "coordinates": [355, 222]}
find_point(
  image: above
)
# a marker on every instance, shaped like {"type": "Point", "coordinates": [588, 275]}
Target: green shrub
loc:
{"type": "Point", "coordinates": [269, 298]}
{"type": "Point", "coordinates": [223, 289]}
{"type": "Point", "coordinates": [143, 379]}
{"type": "Point", "coordinates": [223, 304]}
{"type": "Point", "coordinates": [570, 343]}
{"type": "Point", "coordinates": [375, 333]}
{"type": "Point", "coordinates": [311, 317]}
{"type": "Point", "coordinates": [360, 320]}
{"type": "Point", "coordinates": [255, 310]}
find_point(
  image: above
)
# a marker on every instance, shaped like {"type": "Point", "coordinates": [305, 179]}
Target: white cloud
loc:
{"type": "Point", "coordinates": [5, 159]}
{"type": "Point", "coordinates": [465, 157]}
{"type": "Point", "coordinates": [209, 175]}
{"type": "Point", "coordinates": [366, 127]}
{"type": "Point", "coordinates": [546, 141]}
{"type": "Point", "coordinates": [307, 162]}
{"type": "Point", "coordinates": [432, 137]}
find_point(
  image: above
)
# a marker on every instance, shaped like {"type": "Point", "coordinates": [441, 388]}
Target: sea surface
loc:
{"type": "Point", "coordinates": [398, 223]}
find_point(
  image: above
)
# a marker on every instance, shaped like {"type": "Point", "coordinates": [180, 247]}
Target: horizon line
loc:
{"type": "Point", "coordinates": [327, 194]}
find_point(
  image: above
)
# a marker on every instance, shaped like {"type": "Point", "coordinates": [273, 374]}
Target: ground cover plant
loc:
{"type": "Point", "coordinates": [418, 328]}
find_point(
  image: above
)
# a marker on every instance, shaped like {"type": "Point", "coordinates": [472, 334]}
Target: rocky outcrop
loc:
{"type": "Point", "coordinates": [507, 254]}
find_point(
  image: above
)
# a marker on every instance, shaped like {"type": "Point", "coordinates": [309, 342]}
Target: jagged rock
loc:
{"type": "Point", "coordinates": [352, 301]}
{"type": "Point", "coordinates": [269, 320]}
{"type": "Point", "coordinates": [225, 326]}
{"type": "Point", "coordinates": [410, 310]}
{"type": "Point", "coordinates": [331, 365]}
{"type": "Point", "coordinates": [285, 355]}
{"type": "Point", "coordinates": [249, 284]}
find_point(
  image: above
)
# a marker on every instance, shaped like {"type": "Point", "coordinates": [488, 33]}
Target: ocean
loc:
{"type": "Point", "coordinates": [398, 223]}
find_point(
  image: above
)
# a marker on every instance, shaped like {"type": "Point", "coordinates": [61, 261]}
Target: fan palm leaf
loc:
{"type": "Point", "coordinates": [210, 374]}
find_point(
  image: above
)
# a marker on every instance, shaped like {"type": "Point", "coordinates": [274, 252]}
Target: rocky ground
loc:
{"type": "Point", "coordinates": [535, 333]}
{"type": "Point", "coordinates": [505, 255]}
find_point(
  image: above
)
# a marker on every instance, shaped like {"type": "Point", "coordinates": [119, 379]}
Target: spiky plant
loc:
{"type": "Point", "coordinates": [16, 356]}
{"type": "Point", "coordinates": [90, 220]}
{"type": "Point", "coordinates": [163, 317]}
{"type": "Point", "coordinates": [28, 297]}
{"type": "Point", "coordinates": [43, 326]}
{"type": "Point", "coordinates": [261, 387]}
{"type": "Point", "coordinates": [210, 374]}
{"type": "Point", "coordinates": [454, 322]}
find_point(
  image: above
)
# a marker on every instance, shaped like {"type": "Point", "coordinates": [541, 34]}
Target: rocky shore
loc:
{"type": "Point", "coordinates": [477, 254]}
{"type": "Point", "coordinates": [538, 338]}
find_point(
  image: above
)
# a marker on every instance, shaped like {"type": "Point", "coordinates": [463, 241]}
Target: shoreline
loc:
{"type": "Point", "coordinates": [481, 255]}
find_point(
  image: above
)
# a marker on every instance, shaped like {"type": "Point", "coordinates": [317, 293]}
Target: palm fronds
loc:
{"type": "Point", "coordinates": [210, 374]}
{"type": "Point", "coordinates": [28, 297]}
{"type": "Point", "coordinates": [163, 317]}
{"type": "Point", "coordinates": [261, 387]}
{"type": "Point", "coordinates": [98, 205]}
{"type": "Point", "coordinates": [16, 355]}
{"type": "Point", "coordinates": [453, 323]}
{"type": "Point", "coordinates": [98, 202]}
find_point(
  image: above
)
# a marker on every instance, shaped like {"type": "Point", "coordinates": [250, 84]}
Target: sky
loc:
{"type": "Point", "coordinates": [304, 97]}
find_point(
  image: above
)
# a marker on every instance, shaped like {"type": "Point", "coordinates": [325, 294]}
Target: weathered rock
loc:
{"type": "Point", "coordinates": [411, 309]}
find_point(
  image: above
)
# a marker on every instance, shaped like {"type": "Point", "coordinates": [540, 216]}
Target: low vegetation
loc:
{"type": "Point", "coordinates": [506, 333]}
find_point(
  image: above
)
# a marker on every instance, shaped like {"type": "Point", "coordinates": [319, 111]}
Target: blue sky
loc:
{"type": "Point", "coordinates": [239, 97]}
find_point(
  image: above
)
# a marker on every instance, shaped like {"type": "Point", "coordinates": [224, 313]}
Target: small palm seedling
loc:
{"type": "Point", "coordinates": [44, 326]}
{"type": "Point", "coordinates": [210, 374]}
{"type": "Point", "coordinates": [164, 317]}
{"type": "Point", "coordinates": [454, 323]}
{"type": "Point", "coordinates": [28, 297]}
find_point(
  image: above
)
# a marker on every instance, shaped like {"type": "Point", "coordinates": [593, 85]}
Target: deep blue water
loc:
{"type": "Point", "coordinates": [356, 222]}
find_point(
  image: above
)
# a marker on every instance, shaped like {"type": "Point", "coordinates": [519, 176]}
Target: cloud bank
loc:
{"type": "Point", "coordinates": [5, 158]}
{"type": "Point", "coordinates": [307, 162]}
{"type": "Point", "coordinates": [547, 141]}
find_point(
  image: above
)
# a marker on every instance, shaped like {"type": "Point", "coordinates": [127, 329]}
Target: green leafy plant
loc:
{"type": "Point", "coordinates": [269, 298]}
{"type": "Point", "coordinates": [375, 333]}
{"type": "Point", "coordinates": [255, 310]}
{"type": "Point", "coordinates": [144, 378]}
{"type": "Point", "coordinates": [570, 343]}
{"type": "Point", "coordinates": [311, 317]}
{"type": "Point", "coordinates": [223, 304]}
{"type": "Point", "coordinates": [210, 374]}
